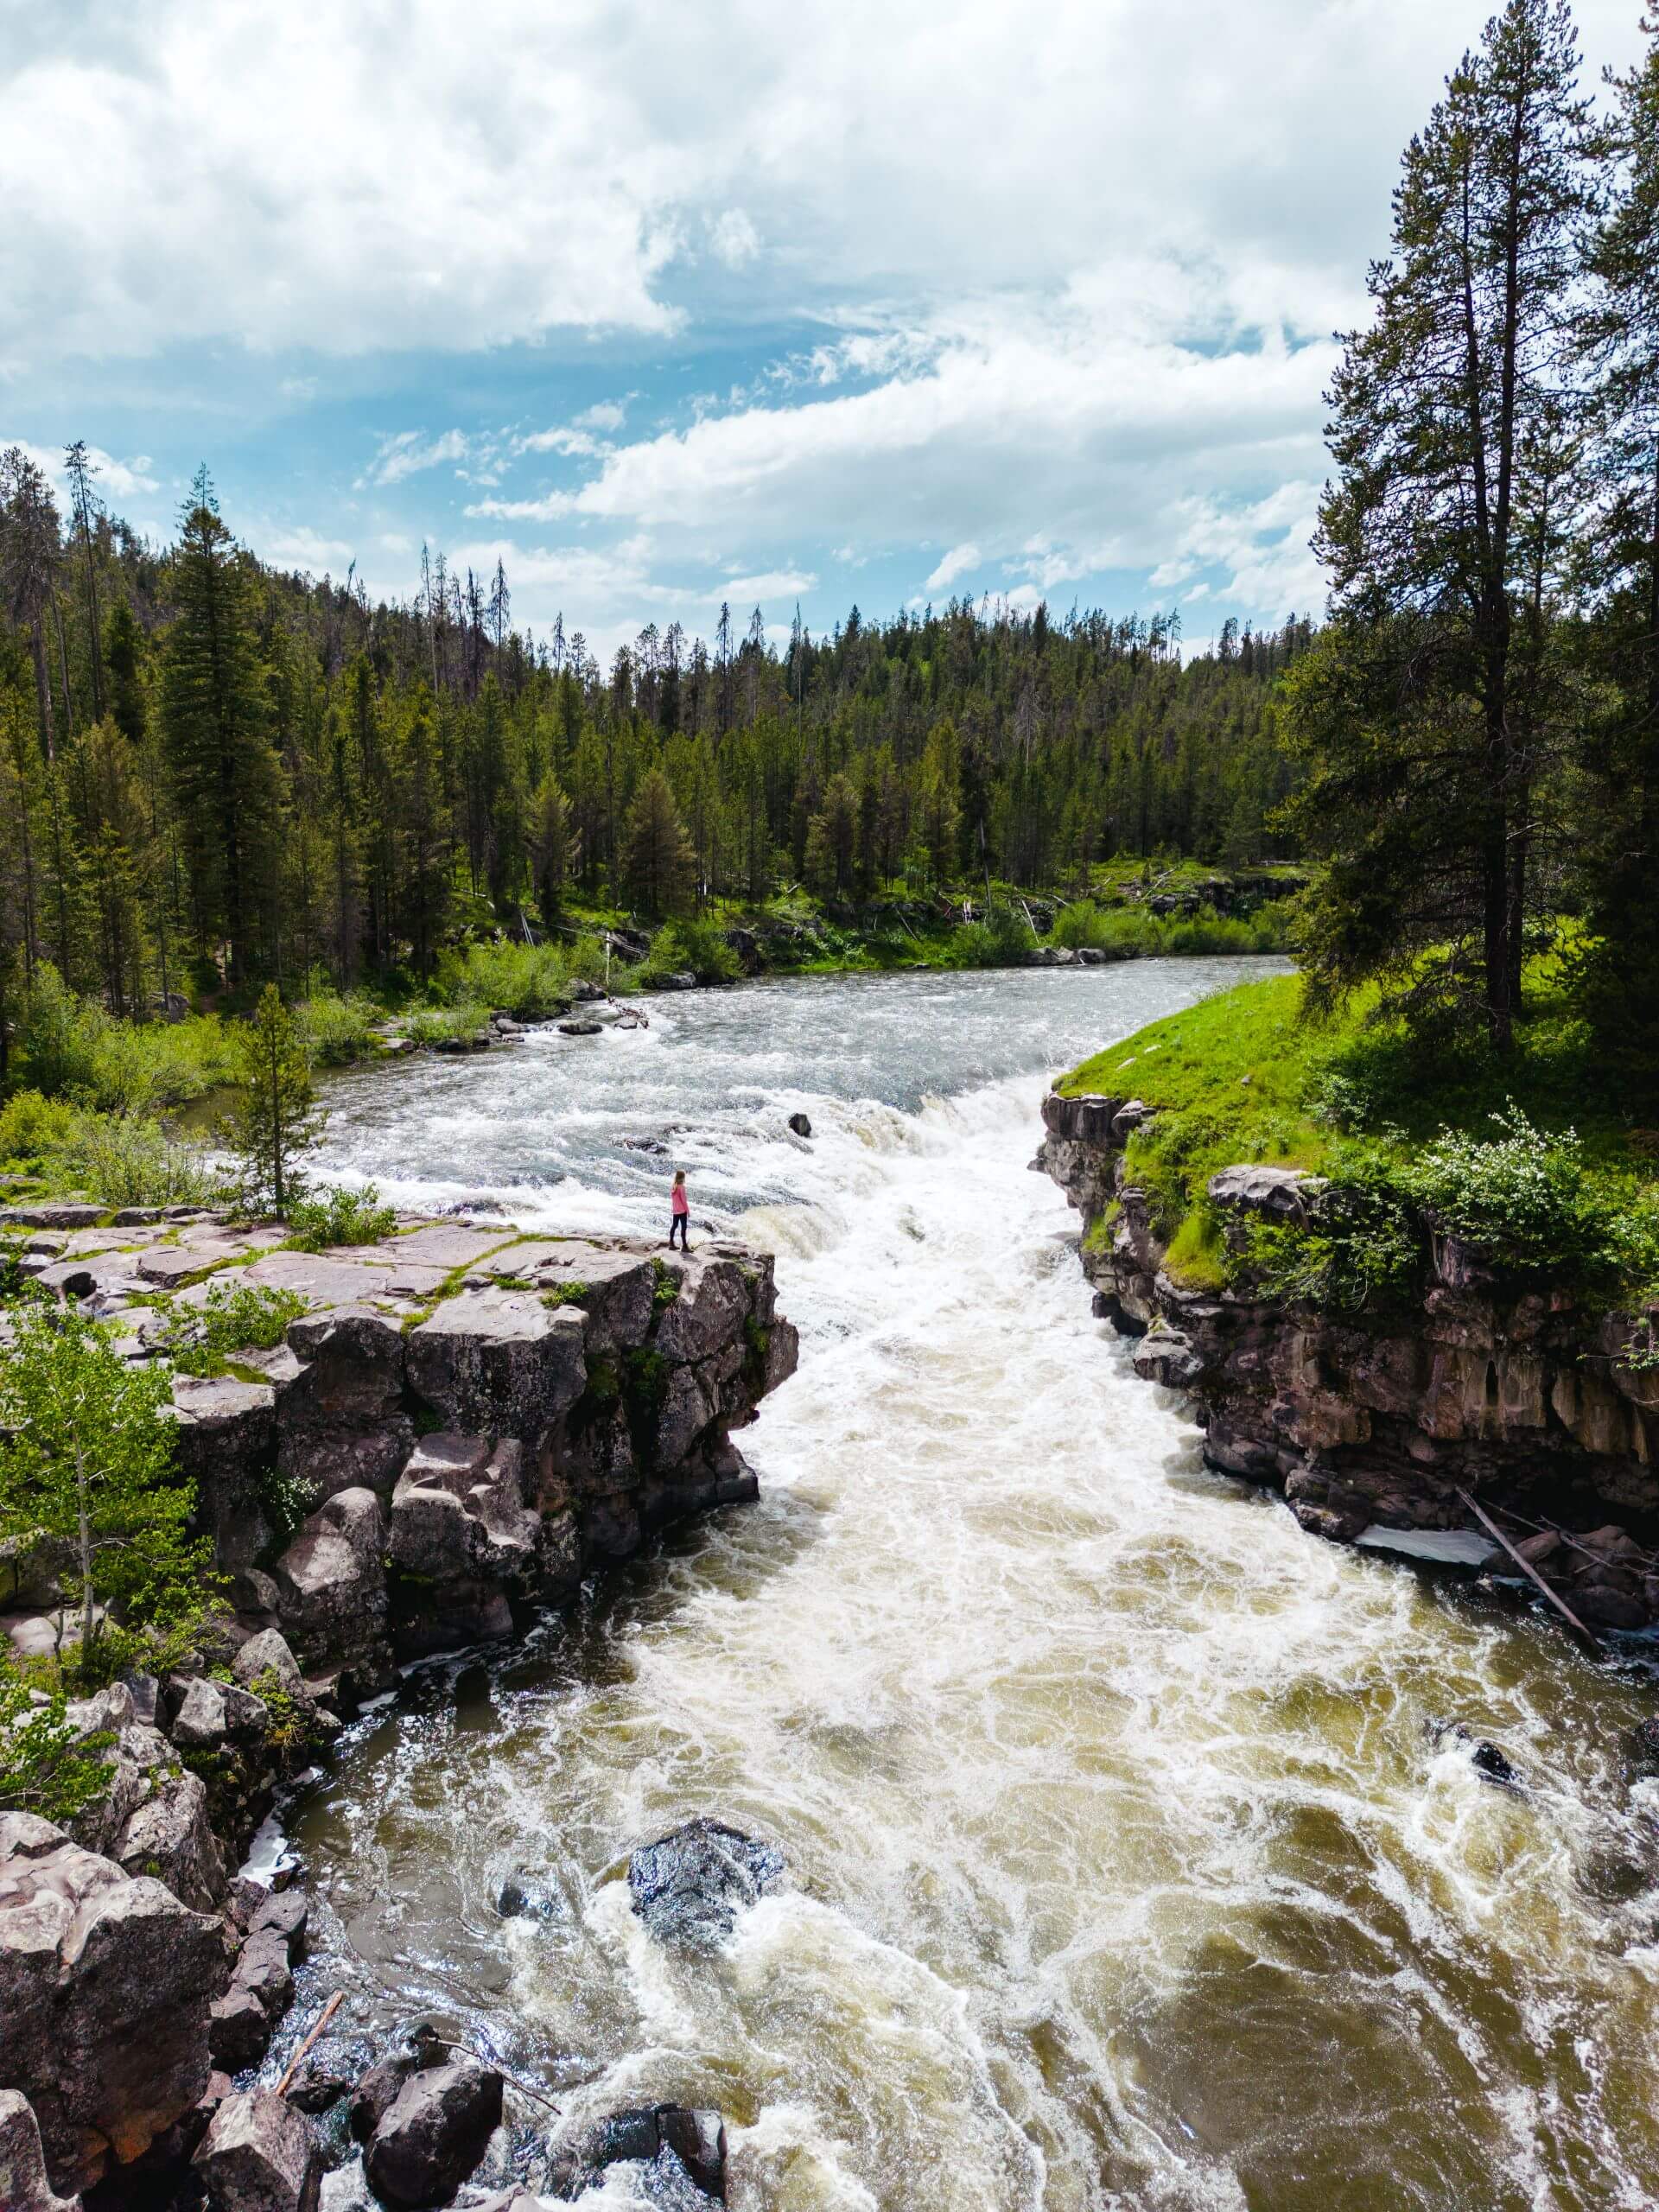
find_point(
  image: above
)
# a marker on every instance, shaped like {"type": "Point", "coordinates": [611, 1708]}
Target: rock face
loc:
{"type": "Point", "coordinates": [105, 1984]}
{"type": "Point", "coordinates": [1513, 1394]}
{"type": "Point", "coordinates": [433, 2133]}
{"type": "Point", "coordinates": [23, 2183]}
{"type": "Point", "coordinates": [260, 2155]}
{"type": "Point", "coordinates": [690, 1887]}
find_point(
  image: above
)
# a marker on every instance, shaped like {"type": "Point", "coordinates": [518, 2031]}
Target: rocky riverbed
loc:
{"type": "Point", "coordinates": [463, 1423]}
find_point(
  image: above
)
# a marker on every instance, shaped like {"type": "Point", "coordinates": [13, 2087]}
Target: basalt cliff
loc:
{"type": "Point", "coordinates": [1512, 1396]}
{"type": "Point", "coordinates": [464, 1422]}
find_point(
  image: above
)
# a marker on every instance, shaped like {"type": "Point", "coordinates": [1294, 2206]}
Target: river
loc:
{"type": "Point", "coordinates": [1125, 1867]}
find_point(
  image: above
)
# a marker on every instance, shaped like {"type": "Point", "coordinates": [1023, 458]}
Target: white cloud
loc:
{"type": "Point", "coordinates": [603, 414]}
{"type": "Point", "coordinates": [291, 547]}
{"type": "Point", "coordinates": [957, 563]}
{"type": "Point", "coordinates": [353, 179]}
{"type": "Point", "coordinates": [733, 238]}
{"type": "Point", "coordinates": [405, 452]}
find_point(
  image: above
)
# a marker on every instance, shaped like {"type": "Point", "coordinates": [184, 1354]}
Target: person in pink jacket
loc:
{"type": "Point", "coordinates": [679, 1207]}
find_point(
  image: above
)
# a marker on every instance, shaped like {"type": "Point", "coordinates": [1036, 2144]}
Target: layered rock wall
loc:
{"type": "Point", "coordinates": [1516, 1396]}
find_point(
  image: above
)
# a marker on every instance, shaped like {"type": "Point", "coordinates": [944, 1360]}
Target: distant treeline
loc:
{"type": "Point", "coordinates": [210, 766]}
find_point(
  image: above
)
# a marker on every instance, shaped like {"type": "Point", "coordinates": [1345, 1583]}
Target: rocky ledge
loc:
{"type": "Point", "coordinates": [1378, 1430]}
{"type": "Point", "coordinates": [462, 1423]}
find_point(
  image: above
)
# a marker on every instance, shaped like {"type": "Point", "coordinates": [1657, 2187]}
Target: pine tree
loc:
{"type": "Point", "coordinates": [659, 866]}
{"type": "Point", "coordinates": [225, 776]}
{"type": "Point", "coordinates": [273, 1121]}
{"type": "Point", "coordinates": [1424, 757]}
{"type": "Point", "coordinates": [1619, 972]}
{"type": "Point", "coordinates": [550, 836]}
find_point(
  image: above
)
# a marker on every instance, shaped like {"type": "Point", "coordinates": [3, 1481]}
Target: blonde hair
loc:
{"type": "Point", "coordinates": [679, 1174]}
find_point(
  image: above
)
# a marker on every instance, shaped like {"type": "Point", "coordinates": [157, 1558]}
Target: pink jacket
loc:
{"type": "Point", "coordinates": [680, 1202]}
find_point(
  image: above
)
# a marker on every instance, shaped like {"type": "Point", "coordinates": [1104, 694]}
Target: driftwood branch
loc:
{"type": "Point", "coordinates": [327, 2014]}
{"type": "Point", "coordinates": [1531, 1572]}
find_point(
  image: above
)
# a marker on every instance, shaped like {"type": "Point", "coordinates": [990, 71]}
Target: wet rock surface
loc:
{"type": "Point", "coordinates": [689, 1886]}
{"type": "Point", "coordinates": [681, 2149]}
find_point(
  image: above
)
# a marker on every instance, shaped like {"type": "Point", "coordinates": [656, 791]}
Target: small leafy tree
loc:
{"type": "Point", "coordinates": [86, 1470]}
{"type": "Point", "coordinates": [274, 1121]}
{"type": "Point", "coordinates": [44, 1768]}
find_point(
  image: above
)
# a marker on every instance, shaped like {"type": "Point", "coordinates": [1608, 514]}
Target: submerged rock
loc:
{"type": "Point", "coordinates": [433, 2133]}
{"type": "Point", "coordinates": [689, 1886]}
{"type": "Point", "coordinates": [527, 1894]}
{"type": "Point", "coordinates": [682, 2149]}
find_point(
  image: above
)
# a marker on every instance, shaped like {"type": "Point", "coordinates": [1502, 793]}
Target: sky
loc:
{"type": "Point", "coordinates": [665, 306]}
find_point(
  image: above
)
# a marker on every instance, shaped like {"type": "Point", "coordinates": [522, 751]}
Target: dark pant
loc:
{"type": "Point", "coordinates": [682, 1222]}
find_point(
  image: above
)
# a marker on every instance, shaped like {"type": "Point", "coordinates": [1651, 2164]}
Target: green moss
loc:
{"type": "Point", "coordinates": [566, 1293]}
{"type": "Point", "coordinates": [1197, 1258]}
{"type": "Point", "coordinates": [667, 1285]}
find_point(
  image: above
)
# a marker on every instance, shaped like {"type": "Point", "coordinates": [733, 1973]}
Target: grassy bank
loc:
{"type": "Point", "coordinates": [1531, 1160]}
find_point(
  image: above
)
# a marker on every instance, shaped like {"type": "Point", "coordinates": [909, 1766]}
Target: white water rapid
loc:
{"type": "Point", "coordinates": [1124, 1871]}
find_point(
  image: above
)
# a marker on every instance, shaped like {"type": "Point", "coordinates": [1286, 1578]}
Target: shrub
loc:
{"type": "Point", "coordinates": [428, 1025]}
{"type": "Point", "coordinates": [243, 1318]}
{"type": "Point", "coordinates": [1003, 939]}
{"type": "Point", "coordinates": [698, 944]}
{"type": "Point", "coordinates": [31, 1124]}
{"type": "Point", "coordinates": [136, 1163]}
{"type": "Point", "coordinates": [43, 1770]}
{"type": "Point", "coordinates": [526, 980]}
{"type": "Point", "coordinates": [335, 1026]}
{"type": "Point", "coordinates": [340, 1215]}
{"type": "Point", "coordinates": [1363, 1250]}
{"type": "Point", "coordinates": [1522, 1197]}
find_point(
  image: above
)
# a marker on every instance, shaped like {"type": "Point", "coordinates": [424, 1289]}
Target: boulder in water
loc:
{"type": "Point", "coordinates": [683, 2151]}
{"type": "Point", "coordinates": [377, 2090]}
{"type": "Point", "coordinates": [1644, 1746]}
{"type": "Point", "coordinates": [689, 1886]}
{"type": "Point", "coordinates": [801, 1125]}
{"type": "Point", "coordinates": [433, 2133]}
{"type": "Point", "coordinates": [527, 1894]}
{"type": "Point", "coordinates": [580, 1028]}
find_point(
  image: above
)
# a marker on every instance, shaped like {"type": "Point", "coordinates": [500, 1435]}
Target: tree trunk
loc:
{"type": "Point", "coordinates": [85, 1519]}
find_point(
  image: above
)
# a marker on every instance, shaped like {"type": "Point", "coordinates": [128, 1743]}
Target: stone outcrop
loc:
{"type": "Point", "coordinates": [464, 1419]}
{"type": "Point", "coordinates": [1508, 1392]}
{"type": "Point", "coordinates": [24, 2185]}
{"type": "Point", "coordinates": [105, 1984]}
{"type": "Point", "coordinates": [260, 2155]}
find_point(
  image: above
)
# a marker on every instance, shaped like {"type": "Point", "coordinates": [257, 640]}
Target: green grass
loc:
{"type": "Point", "coordinates": [1568, 1188]}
